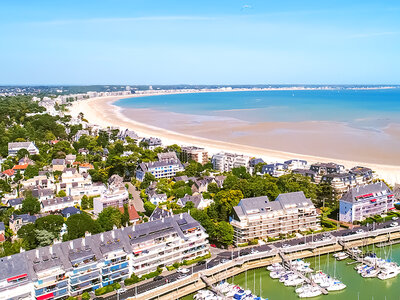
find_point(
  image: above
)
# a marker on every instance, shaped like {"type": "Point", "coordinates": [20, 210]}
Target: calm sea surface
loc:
{"type": "Point", "coordinates": [357, 286]}
{"type": "Point", "coordinates": [360, 108]}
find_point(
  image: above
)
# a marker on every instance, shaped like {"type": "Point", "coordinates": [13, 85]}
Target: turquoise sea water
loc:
{"type": "Point", "coordinates": [360, 108]}
{"type": "Point", "coordinates": [260, 283]}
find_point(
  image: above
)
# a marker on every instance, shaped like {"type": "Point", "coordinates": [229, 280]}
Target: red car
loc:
{"type": "Point", "coordinates": [213, 245]}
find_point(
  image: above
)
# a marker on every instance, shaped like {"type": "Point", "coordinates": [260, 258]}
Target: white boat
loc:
{"type": "Point", "coordinates": [371, 272]}
{"type": "Point", "coordinates": [288, 276]}
{"type": "Point", "coordinates": [294, 281]}
{"type": "Point", "coordinates": [388, 273]}
{"type": "Point", "coordinates": [340, 255]}
{"type": "Point", "coordinates": [303, 288]}
{"type": "Point", "coordinates": [319, 277]}
{"type": "Point", "coordinates": [275, 266]}
{"type": "Point", "coordinates": [336, 285]}
{"type": "Point", "coordinates": [310, 292]}
{"type": "Point", "coordinates": [278, 274]}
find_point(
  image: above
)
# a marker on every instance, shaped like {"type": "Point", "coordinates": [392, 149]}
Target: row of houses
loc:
{"type": "Point", "coordinates": [85, 264]}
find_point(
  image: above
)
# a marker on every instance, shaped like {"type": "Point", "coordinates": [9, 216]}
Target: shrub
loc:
{"type": "Point", "coordinates": [85, 296]}
{"type": "Point", "coordinates": [253, 242]}
{"type": "Point", "coordinates": [243, 245]}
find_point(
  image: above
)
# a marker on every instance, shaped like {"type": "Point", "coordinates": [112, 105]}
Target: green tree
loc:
{"type": "Point", "coordinates": [110, 217]}
{"type": "Point", "coordinates": [28, 235]}
{"type": "Point", "coordinates": [149, 208]}
{"type": "Point", "coordinates": [31, 171]}
{"type": "Point", "coordinates": [30, 205]}
{"type": "Point", "coordinates": [213, 188]}
{"type": "Point", "coordinates": [44, 237]}
{"type": "Point", "coordinates": [147, 180]}
{"type": "Point", "coordinates": [228, 199]}
{"type": "Point", "coordinates": [50, 223]}
{"type": "Point", "coordinates": [223, 233]}
{"type": "Point", "coordinates": [78, 224]}
{"type": "Point", "coordinates": [61, 193]}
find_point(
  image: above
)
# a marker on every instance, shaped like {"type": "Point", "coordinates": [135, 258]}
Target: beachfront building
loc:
{"type": "Point", "coordinates": [167, 167]}
{"type": "Point", "coordinates": [225, 162]}
{"type": "Point", "coordinates": [326, 168]}
{"type": "Point", "coordinates": [293, 164]}
{"type": "Point", "coordinates": [363, 175]}
{"type": "Point", "coordinates": [259, 218]}
{"type": "Point", "coordinates": [196, 154]}
{"type": "Point", "coordinates": [151, 142]}
{"type": "Point", "coordinates": [366, 201]}
{"type": "Point", "coordinates": [340, 182]}
{"type": "Point", "coordinates": [13, 148]}
{"type": "Point", "coordinates": [94, 261]}
{"type": "Point", "coordinates": [276, 169]}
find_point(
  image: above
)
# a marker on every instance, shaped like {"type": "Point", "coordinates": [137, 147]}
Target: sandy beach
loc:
{"type": "Point", "coordinates": [272, 141]}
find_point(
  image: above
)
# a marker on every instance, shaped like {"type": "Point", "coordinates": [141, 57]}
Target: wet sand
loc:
{"type": "Point", "coordinates": [273, 141]}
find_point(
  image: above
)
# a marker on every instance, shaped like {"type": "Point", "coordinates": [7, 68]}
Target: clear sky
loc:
{"type": "Point", "coordinates": [199, 42]}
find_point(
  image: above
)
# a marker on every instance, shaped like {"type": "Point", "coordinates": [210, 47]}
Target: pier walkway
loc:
{"type": "Point", "coordinates": [209, 285]}
{"type": "Point", "coordinates": [288, 265]}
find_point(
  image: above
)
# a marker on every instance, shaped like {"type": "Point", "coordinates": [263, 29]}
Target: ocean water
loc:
{"type": "Point", "coordinates": [372, 109]}
{"type": "Point", "coordinates": [358, 288]}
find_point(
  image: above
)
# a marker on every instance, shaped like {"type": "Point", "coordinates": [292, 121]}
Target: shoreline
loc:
{"type": "Point", "coordinates": [103, 112]}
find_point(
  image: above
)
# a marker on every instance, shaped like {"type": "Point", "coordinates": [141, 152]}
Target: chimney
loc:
{"type": "Point", "coordinates": [162, 219]}
{"type": "Point", "coordinates": [51, 249]}
{"type": "Point", "coordinates": [181, 216]}
{"type": "Point", "coordinates": [21, 250]}
{"type": "Point", "coordinates": [71, 245]}
{"type": "Point", "coordinates": [113, 233]}
{"type": "Point", "coordinates": [87, 233]}
{"type": "Point", "coordinates": [102, 237]}
{"type": "Point", "coordinates": [83, 242]}
{"type": "Point", "coordinates": [37, 253]}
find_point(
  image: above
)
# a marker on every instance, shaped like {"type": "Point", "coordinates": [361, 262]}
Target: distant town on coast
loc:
{"type": "Point", "coordinates": [199, 150]}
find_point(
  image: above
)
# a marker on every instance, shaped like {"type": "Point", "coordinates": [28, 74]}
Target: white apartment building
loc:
{"type": "Point", "coordinates": [13, 148]}
{"type": "Point", "coordinates": [225, 162]}
{"type": "Point", "coordinates": [115, 197]}
{"type": "Point", "coordinates": [69, 268]}
{"type": "Point", "coordinates": [259, 218]}
{"type": "Point", "coordinates": [366, 201]}
{"type": "Point", "coordinates": [160, 169]}
{"type": "Point", "coordinates": [197, 154]}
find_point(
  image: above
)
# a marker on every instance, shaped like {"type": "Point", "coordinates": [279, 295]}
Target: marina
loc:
{"type": "Point", "coordinates": [358, 287]}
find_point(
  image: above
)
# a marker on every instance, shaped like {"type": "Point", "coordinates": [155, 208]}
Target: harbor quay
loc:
{"type": "Point", "coordinates": [231, 263]}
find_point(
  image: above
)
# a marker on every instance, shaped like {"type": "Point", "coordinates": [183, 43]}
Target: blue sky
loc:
{"type": "Point", "coordinates": [199, 42]}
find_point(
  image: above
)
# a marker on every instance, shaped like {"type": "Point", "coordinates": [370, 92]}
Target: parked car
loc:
{"type": "Point", "coordinates": [395, 218]}
{"type": "Point", "coordinates": [202, 262]}
{"type": "Point", "coordinates": [360, 230]}
{"type": "Point", "coordinates": [121, 290]}
{"type": "Point", "coordinates": [158, 278]}
{"type": "Point", "coordinates": [213, 245]}
{"type": "Point", "coordinates": [183, 270]}
{"type": "Point", "coordinates": [394, 224]}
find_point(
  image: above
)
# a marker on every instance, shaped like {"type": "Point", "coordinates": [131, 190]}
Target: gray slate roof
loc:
{"type": "Point", "coordinates": [373, 188]}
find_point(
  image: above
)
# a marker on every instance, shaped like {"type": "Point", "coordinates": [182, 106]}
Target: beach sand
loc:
{"type": "Point", "coordinates": [272, 141]}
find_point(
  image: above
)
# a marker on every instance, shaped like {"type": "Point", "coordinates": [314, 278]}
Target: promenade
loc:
{"type": "Point", "coordinates": [231, 263]}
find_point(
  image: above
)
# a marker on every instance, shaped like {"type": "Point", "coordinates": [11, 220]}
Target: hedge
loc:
{"type": "Point", "coordinates": [107, 289]}
{"type": "Point", "coordinates": [135, 279]}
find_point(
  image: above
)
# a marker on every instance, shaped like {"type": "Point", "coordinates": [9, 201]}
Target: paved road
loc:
{"type": "Point", "coordinates": [136, 201]}
{"type": "Point", "coordinates": [225, 256]}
